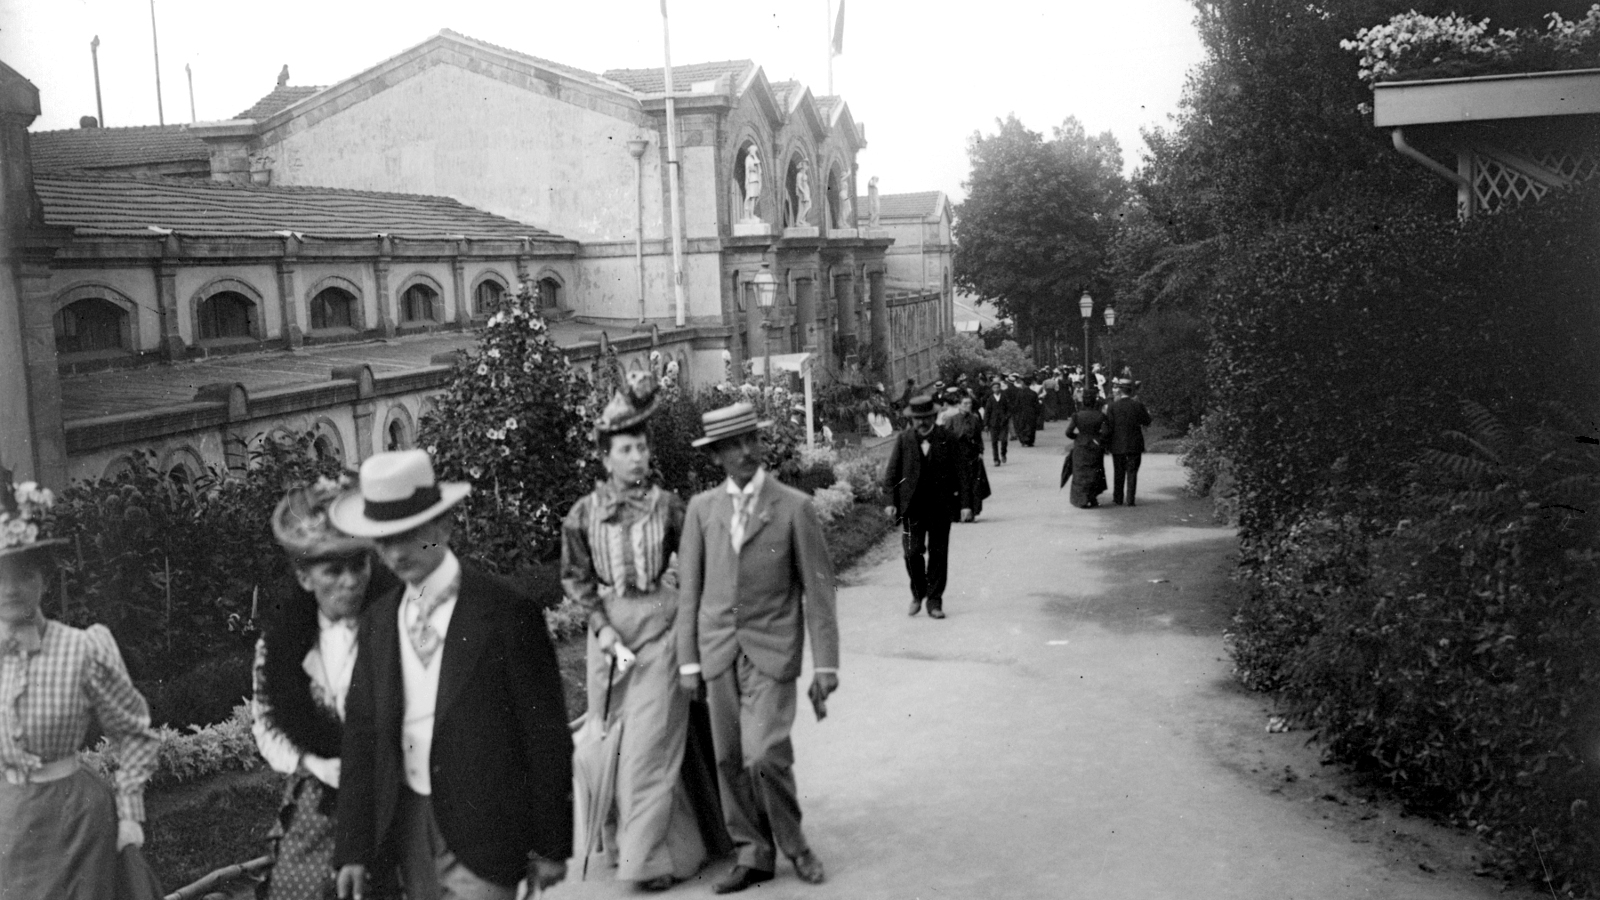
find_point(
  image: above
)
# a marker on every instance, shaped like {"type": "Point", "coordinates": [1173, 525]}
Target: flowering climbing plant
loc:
{"type": "Point", "coordinates": [1412, 46]}
{"type": "Point", "coordinates": [19, 520]}
{"type": "Point", "coordinates": [516, 423]}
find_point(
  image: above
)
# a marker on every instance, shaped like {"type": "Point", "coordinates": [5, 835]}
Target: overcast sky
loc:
{"type": "Point", "coordinates": [922, 75]}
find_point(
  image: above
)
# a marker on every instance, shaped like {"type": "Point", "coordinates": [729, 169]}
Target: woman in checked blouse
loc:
{"type": "Point", "coordinates": [60, 827]}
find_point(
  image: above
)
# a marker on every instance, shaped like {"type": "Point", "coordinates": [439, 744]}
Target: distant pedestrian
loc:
{"type": "Point", "coordinates": [997, 418]}
{"type": "Point", "coordinates": [1025, 410]}
{"type": "Point", "coordinates": [1128, 418]}
{"type": "Point", "coordinates": [967, 429]}
{"type": "Point", "coordinates": [923, 483]}
{"type": "Point", "coordinates": [1088, 429]}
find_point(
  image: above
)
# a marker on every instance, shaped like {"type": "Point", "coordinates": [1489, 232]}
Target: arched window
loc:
{"type": "Point", "coordinates": [333, 308]}
{"type": "Point", "coordinates": [397, 439]}
{"type": "Point", "coordinates": [226, 314]}
{"type": "Point", "coordinates": [324, 449]}
{"type": "Point", "coordinates": [549, 293]}
{"type": "Point", "coordinates": [419, 304]}
{"type": "Point", "coordinates": [91, 324]}
{"type": "Point", "coordinates": [486, 300]}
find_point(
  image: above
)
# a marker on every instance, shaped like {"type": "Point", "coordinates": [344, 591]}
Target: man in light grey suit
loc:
{"type": "Point", "coordinates": [751, 549]}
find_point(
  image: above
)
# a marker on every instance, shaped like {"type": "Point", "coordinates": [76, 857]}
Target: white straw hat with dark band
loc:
{"type": "Point", "coordinates": [398, 492]}
{"type": "Point", "coordinates": [729, 422]}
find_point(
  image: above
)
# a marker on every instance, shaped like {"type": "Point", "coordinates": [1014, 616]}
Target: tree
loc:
{"type": "Point", "coordinates": [1031, 235]}
{"type": "Point", "coordinates": [515, 422]}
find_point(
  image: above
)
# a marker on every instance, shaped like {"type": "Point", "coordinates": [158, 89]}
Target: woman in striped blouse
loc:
{"type": "Point", "coordinates": [61, 828]}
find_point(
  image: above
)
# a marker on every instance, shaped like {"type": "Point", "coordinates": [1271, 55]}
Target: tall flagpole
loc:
{"type": "Point", "coordinates": [161, 115]}
{"type": "Point", "coordinates": [672, 172]}
{"type": "Point", "coordinates": [94, 53]}
{"type": "Point", "coordinates": [190, 72]}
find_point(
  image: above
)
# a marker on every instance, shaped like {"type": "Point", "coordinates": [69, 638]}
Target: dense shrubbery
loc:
{"type": "Point", "coordinates": [965, 354]}
{"type": "Point", "coordinates": [191, 754]}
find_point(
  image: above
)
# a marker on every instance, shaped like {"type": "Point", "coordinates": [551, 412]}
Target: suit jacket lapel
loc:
{"type": "Point", "coordinates": [463, 642]}
{"type": "Point", "coordinates": [388, 691]}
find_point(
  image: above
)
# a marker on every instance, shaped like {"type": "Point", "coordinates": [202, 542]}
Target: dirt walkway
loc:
{"type": "Point", "coordinates": [1072, 730]}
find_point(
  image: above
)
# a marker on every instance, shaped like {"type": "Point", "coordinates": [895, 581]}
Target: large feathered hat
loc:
{"type": "Point", "coordinates": [631, 406]}
{"type": "Point", "coordinates": [22, 511]}
{"type": "Point", "coordinates": [302, 527]}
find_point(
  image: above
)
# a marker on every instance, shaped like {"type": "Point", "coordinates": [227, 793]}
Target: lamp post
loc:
{"type": "Point", "coordinates": [636, 148]}
{"type": "Point", "coordinates": [766, 293]}
{"type": "Point", "coordinates": [1111, 319]}
{"type": "Point", "coordinates": [1086, 309]}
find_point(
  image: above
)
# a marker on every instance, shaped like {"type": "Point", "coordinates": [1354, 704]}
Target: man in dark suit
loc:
{"type": "Point", "coordinates": [751, 549]}
{"type": "Point", "coordinates": [457, 760]}
{"type": "Point", "coordinates": [1024, 409]}
{"type": "Point", "coordinates": [923, 483]}
{"type": "Point", "coordinates": [1128, 417]}
{"type": "Point", "coordinates": [997, 418]}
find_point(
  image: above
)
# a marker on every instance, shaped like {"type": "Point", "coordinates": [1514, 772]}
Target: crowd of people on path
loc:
{"type": "Point", "coordinates": [936, 474]}
{"type": "Point", "coordinates": [415, 702]}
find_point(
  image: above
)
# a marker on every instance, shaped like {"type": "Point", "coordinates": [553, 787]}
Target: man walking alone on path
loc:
{"type": "Point", "coordinates": [751, 549]}
{"type": "Point", "coordinates": [1128, 417]}
{"type": "Point", "coordinates": [997, 418]}
{"type": "Point", "coordinates": [923, 484]}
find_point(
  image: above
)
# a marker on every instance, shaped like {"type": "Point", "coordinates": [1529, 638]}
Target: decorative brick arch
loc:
{"type": "Point", "coordinates": [94, 290]}
{"type": "Point", "coordinates": [358, 310]}
{"type": "Point", "coordinates": [187, 458]}
{"type": "Point", "coordinates": [234, 285]}
{"type": "Point", "coordinates": [560, 300]}
{"type": "Point", "coordinates": [440, 301]}
{"type": "Point", "coordinates": [326, 430]}
{"type": "Point", "coordinates": [398, 416]}
{"type": "Point", "coordinates": [487, 276]}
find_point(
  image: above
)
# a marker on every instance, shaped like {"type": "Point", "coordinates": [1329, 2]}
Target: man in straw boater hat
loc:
{"type": "Point", "coordinates": [618, 545]}
{"type": "Point", "coordinates": [755, 576]}
{"type": "Point", "coordinates": [457, 759]}
{"type": "Point", "coordinates": [923, 484]}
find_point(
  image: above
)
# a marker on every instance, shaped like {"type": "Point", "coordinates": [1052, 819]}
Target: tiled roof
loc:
{"type": "Point", "coordinates": [654, 81]}
{"type": "Point", "coordinates": [280, 99]}
{"type": "Point", "coordinates": [784, 91]}
{"type": "Point", "coordinates": [826, 106]}
{"type": "Point", "coordinates": [101, 148]}
{"type": "Point", "coordinates": [132, 206]}
{"type": "Point", "coordinates": [909, 206]}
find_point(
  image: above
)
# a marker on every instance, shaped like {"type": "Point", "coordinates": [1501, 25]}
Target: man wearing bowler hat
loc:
{"type": "Point", "coordinates": [923, 484]}
{"type": "Point", "coordinates": [754, 577]}
{"type": "Point", "coordinates": [457, 761]}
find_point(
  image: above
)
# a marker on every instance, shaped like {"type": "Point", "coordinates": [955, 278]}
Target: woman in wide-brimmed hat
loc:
{"type": "Point", "coordinates": [61, 827]}
{"type": "Point", "coordinates": [618, 551]}
{"type": "Point", "coordinates": [304, 662]}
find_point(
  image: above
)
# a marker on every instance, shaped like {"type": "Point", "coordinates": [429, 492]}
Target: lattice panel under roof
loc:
{"type": "Point", "coordinates": [1496, 185]}
{"type": "Point", "coordinates": [1568, 163]}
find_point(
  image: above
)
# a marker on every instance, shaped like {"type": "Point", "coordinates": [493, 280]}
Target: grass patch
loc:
{"type": "Point", "coordinates": [223, 822]}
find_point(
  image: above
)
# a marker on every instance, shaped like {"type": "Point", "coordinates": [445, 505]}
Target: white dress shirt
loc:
{"type": "Point", "coordinates": [329, 664]}
{"type": "Point", "coordinates": [744, 504]}
{"type": "Point", "coordinates": [422, 681]}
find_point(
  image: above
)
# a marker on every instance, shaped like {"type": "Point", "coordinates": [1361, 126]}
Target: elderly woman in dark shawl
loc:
{"type": "Point", "coordinates": [1088, 429]}
{"type": "Point", "coordinates": [304, 662]}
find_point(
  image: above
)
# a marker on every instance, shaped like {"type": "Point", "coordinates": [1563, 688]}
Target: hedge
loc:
{"type": "Point", "coordinates": [1394, 402]}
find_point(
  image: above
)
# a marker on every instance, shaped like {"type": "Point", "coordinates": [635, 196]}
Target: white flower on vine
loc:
{"type": "Point", "coordinates": [475, 472]}
{"type": "Point", "coordinates": [494, 353]}
{"type": "Point", "coordinates": [483, 368]}
{"type": "Point", "coordinates": [511, 423]}
{"type": "Point", "coordinates": [504, 450]}
{"type": "Point", "coordinates": [433, 450]}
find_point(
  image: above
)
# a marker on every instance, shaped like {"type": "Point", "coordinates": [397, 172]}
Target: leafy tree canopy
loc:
{"type": "Point", "coordinates": [1032, 232]}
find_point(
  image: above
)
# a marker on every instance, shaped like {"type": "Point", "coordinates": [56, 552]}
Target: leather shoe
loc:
{"type": "Point", "coordinates": [935, 612]}
{"type": "Point", "coordinates": [808, 867]}
{"type": "Point", "coordinates": [916, 607]}
{"type": "Point", "coordinates": [658, 883]}
{"type": "Point", "coordinates": [741, 877]}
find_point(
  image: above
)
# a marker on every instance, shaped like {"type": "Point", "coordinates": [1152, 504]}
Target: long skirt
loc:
{"type": "Point", "coordinates": [58, 840]}
{"type": "Point", "coordinates": [303, 867]}
{"type": "Point", "coordinates": [638, 804]}
{"type": "Point", "coordinates": [1088, 476]}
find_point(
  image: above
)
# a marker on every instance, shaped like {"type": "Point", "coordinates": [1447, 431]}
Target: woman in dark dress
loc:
{"type": "Point", "coordinates": [1088, 429]}
{"type": "Point", "coordinates": [304, 663]}
{"type": "Point", "coordinates": [967, 428]}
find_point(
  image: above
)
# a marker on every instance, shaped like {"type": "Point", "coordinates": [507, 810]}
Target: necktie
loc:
{"type": "Point", "coordinates": [741, 517]}
{"type": "Point", "coordinates": [425, 639]}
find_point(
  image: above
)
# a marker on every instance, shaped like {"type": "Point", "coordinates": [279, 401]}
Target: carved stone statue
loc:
{"type": "Point", "coordinates": [802, 191]}
{"type": "Point", "coordinates": [752, 183]}
{"type": "Point", "coordinates": [845, 211]}
{"type": "Point", "coordinates": [873, 208]}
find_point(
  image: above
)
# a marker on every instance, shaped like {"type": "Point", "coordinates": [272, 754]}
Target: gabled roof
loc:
{"type": "Point", "coordinates": [654, 81]}
{"type": "Point", "coordinates": [129, 206]}
{"type": "Point", "coordinates": [563, 68]}
{"type": "Point", "coordinates": [280, 99]}
{"type": "Point", "coordinates": [920, 205]}
{"type": "Point", "coordinates": [105, 148]}
{"type": "Point", "coordinates": [784, 92]}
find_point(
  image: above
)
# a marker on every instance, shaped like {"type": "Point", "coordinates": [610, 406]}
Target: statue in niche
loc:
{"type": "Point", "coordinates": [802, 191]}
{"type": "Point", "coordinates": [845, 221]}
{"type": "Point", "coordinates": [752, 184]}
{"type": "Point", "coordinates": [873, 209]}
